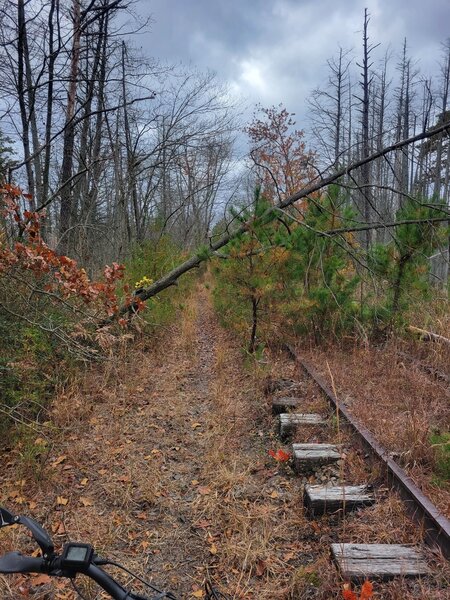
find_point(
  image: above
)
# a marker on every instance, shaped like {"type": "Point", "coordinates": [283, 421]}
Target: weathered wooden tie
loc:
{"type": "Point", "coordinates": [359, 562]}
{"type": "Point", "coordinates": [284, 403]}
{"type": "Point", "coordinates": [321, 499]}
{"type": "Point", "coordinates": [309, 457]}
{"type": "Point", "coordinates": [289, 422]}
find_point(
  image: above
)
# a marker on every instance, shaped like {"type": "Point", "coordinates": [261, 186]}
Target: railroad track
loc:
{"type": "Point", "coordinates": [357, 561]}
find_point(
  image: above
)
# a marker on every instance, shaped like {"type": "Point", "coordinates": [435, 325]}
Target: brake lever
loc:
{"type": "Point", "coordinates": [7, 518]}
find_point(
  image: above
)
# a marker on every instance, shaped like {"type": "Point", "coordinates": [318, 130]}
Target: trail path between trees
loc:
{"type": "Point", "coordinates": [161, 462]}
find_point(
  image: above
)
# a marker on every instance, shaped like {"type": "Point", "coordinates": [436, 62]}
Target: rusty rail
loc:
{"type": "Point", "coordinates": [436, 527]}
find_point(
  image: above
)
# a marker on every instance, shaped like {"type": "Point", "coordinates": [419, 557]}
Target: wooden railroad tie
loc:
{"type": "Point", "coordinates": [321, 499]}
{"type": "Point", "coordinates": [359, 562]}
{"type": "Point", "coordinates": [284, 403]}
{"type": "Point", "coordinates": [310, 457]}
{"type": "Point", "coordinates": [290, 421]}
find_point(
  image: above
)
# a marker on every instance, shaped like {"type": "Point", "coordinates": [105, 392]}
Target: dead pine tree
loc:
{"type": "Point", "coordinates": [330, 107]}
{"type": "Point", "coordinates": [365, 195]}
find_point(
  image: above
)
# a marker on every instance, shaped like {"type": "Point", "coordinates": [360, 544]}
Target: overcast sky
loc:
{"type": "Point", "coordinates": [273, 51]}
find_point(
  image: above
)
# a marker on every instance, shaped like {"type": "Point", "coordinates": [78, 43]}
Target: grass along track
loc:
{"type": "Point", "coordinates": [435, 525]}
{"type": "Point", "coordinates": [352, 443]}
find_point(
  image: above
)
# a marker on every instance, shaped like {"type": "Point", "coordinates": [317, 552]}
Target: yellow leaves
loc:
{"type": "Point", "coordinates": [213, 549]}
{"type": "Point", "coordinates": [196, 425]}
{"type": "Point", "coordinates": [84, 481]}
{"type": "Point", "coordinates": [16, 495]}
{"type": "Point", "coordinates": [86, 501]}
{"type": "Point", "coordinates": [274, 495]}
{"type": "Point", "coordinates": [59, 460]}
{"type": "Point", "coordinates": [155, 453]}
{"type": "Point", "coordinates": [61, 501]}
{"type": "Point", "coordinates": [144, 282]}
{"type": "Point", "coordinates": [195, 482]}
{"type": "Point", "coordinates": [198, 593]}
{"type": "Point", "coordinates": [58, 528]}
{"type": "Point", "coordinates": [39, 441]}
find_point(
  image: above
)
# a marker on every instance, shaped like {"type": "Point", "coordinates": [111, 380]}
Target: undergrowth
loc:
{"type": "Point", "coordinates": [148, 262]}
{"type": "Point", "coordinates": [440, 442]}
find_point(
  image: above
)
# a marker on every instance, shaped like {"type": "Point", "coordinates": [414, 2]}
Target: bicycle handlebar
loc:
{"type": "Point", "coordinates": [15, 562]}
{"type": "Point", "coordinates": [76, 558]}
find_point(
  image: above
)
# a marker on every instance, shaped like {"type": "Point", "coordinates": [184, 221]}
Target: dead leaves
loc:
{"type": "Point", "coordinates": [280, 455]}
{"type": "Point", "coordinates": [86, 501]}
{"type": "Point", "coordinates": [59, 460]}
{"type": "Point", "coordinates": [366, 592]}
{"type": "Point", "coordinates": [213, 549]}
{"type": "Point", "coordinates": [40, 580]}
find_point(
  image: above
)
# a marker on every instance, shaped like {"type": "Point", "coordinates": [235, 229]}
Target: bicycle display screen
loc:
{"type": "Point", "coordinates": [77, 555]}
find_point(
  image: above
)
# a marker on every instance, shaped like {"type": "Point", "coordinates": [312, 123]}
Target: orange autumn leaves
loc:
{"type": "Point", "coordinates": [280, 455]}
{"type": "Point", "coordinates": [366, 592]}
{"type": "Point", "coordinates": [57, 276]}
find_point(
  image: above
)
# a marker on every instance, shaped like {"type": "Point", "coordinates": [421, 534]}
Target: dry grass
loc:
{"type": "Point", "coordinates": [401, 404]}
{"type": "Point", "coordinates": [166, 469]}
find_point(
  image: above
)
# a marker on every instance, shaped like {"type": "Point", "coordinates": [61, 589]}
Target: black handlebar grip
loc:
{"type": "Point", "coordinates": [15, 562]}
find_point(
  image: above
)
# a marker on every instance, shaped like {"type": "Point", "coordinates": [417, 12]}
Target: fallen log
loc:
{"type": "Point", "coordinates": [316, 185]}
{"type": "Point", "coordinates": [427, 336]}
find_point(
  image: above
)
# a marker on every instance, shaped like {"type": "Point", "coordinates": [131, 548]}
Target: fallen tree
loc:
{"type": "Point", "coordinates": [427, 336]}
{"type": "Point", "coordinates": [171, 277]}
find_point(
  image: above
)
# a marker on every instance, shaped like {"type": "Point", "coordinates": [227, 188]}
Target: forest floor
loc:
{"type": "Point", "coordinates": [160, 460]}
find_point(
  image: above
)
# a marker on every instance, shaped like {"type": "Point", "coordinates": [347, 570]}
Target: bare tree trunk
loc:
{"type": "Point", "coordinates": [132, 185]}
{"type": "Point", "coordinates": [53, 17]}
{"type": "Point", "coordinates": [67, 210]}
{"type": "Point", "coordinates": [405, 132]}
{"type": "Point", "coordinates": [365, 140]}
{"type": "Point", "coordinates": [339, 85]}
{"type": "Point", "coordinates": [440, 142]}
{"type": "Point", "coordinates": [21, 49]}
{"type": "Point", "coordinates": [252, 344]}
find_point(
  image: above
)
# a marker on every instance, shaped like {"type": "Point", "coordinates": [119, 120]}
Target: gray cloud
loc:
{"type": "Point", "coordinates": [272, 51]}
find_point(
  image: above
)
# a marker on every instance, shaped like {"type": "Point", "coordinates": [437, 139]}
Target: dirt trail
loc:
{"type": "Point", "coordinates": [158, 463]}
{"type": "Point", "coordinates": [162, 463]}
